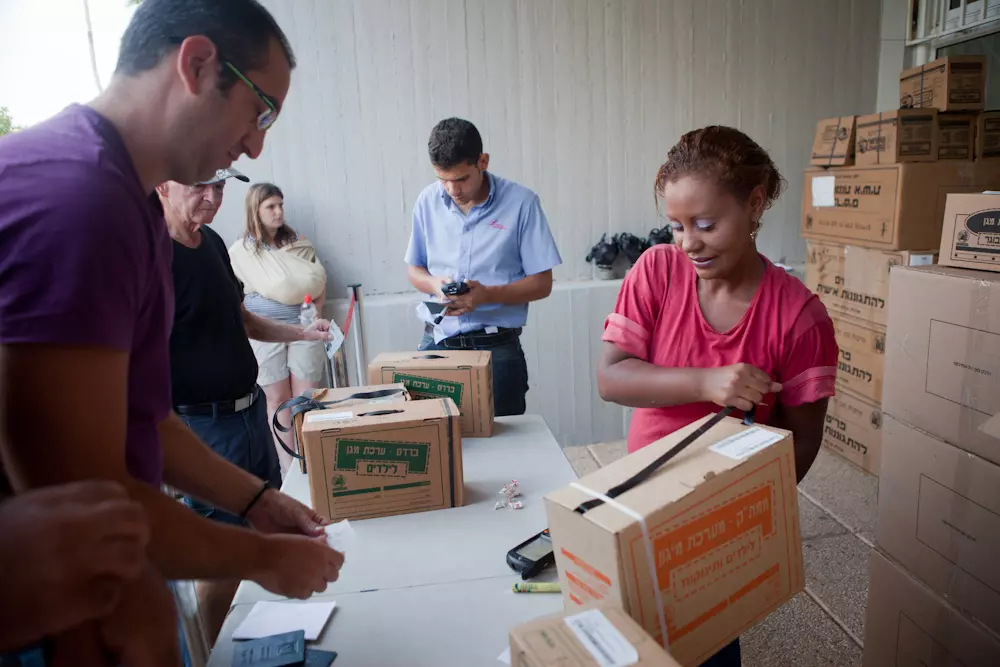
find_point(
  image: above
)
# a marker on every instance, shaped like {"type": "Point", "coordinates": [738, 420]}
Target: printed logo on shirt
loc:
{"type": "Point", "coordinates": [496, 225]}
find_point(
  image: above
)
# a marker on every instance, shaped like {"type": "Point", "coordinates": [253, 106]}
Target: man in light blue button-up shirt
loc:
{"type": "Point", "coordinates": [490, 233]}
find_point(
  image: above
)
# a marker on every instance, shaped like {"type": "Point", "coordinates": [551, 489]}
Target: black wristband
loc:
{"type": "Point", "coordinates": [243, 514]}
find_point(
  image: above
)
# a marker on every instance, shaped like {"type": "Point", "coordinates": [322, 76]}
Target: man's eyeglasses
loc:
{"type": "Point", "coordinates": [266, 118]}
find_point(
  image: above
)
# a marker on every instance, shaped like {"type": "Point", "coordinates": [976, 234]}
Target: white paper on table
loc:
{"type": "Point", "coordinates": [505, 656]}
{"type": "Point", "coordinates": [341, 537]}
{"type": "Point", "coordinates": [275, 618]}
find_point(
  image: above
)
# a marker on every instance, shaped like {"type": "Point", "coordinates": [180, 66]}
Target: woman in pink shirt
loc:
{"type": "Point", "coordinates": [709, 322]}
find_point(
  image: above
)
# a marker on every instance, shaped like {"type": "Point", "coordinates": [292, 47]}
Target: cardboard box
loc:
{"type": "Point", "coordinates": [942, 360]}
{"type": "Point", "coordinates": [379, 460]}
{"type": "Point", "coordinates": [855, 281]}
{"type": "Point", "coordinates": [970, 237]}
{"type": "Point", "coordinates": [988, 135]}
{"type": "Point", "coordinates": [861, 365]}
{"type": "Point", "coordinates": [908, 625]}
{"type": "Point", "coordinates": [890, 137]}
{"type": "Point", "coordinates": [952, 83]}
{"type": "Point", "coordinates": [833, 143]}
{"type": "Point", "coordinates": [715, 530]}
{"type": "Point", "coordinates": [344, 397]}
{"type": "Point", "coordinates": [956, 136]}
{"type": "Point", "coordinates": [465, 376]}
{"type": "Point", "coordinates": [891, 207]}
{"type": "Point", "coordinates": [939, 516]}
{"type": "Point", "coordinates": [853, 429]}
{"type": "Point", "coordinates": [585, 639]}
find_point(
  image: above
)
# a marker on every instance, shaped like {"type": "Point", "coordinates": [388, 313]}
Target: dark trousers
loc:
{"type": "Point", "coordinates": [242, 438]}
{"type": "Point", "coordinates": [510, 371]}
{"type": "Point", "coordinates": [729, 656]}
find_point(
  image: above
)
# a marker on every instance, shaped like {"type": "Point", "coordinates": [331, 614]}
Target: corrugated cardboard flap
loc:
{"type": "Point", "coordinates": [674, 480]}
{"type": "Point", "coordinates": [341, 393]}
{"type": "Point", "coordinates": [377, 415]}
{"type": "Point", "coordinates": [432, 359]}
{"type": "Point", "coordinates": [952, 272]}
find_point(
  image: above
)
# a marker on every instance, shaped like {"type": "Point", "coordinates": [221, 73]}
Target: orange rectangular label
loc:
{"type": "Point", "coordinates": [587, 567]}
{"type": "Point", "coordinates": [585, 581]}
{"type": "Point", "coordinates": [719, 525]}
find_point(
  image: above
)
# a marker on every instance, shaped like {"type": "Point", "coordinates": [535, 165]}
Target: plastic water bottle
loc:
{"type": "Point", "coordinates": [307, 313]}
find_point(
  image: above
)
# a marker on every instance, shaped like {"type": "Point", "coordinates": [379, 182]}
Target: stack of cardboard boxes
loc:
{"type": "Point", "coordinates": [934, 593]}
{"type": "Point", "coordinates": [873, 199]}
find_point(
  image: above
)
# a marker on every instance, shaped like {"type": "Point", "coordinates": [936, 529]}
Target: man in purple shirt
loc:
{"type": "Point", "coordinates": [86, 296]}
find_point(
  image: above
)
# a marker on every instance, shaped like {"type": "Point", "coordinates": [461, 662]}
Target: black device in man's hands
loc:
{"type": "Point", "coordinates": [450, 289]}
{"type": "Point", "coordinates": [454, 289]}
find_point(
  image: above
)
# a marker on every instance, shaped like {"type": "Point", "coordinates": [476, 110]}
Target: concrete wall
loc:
{"type": "Point", "coordinates": [578, 99]}
{"type": "Point", "coordinates": [892, 58]}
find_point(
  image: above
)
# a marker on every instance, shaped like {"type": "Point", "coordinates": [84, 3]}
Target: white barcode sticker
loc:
{"type": "Point", "coordinates": [746, 443]}
{"type": "Point", "coordinates": [605, 643]}
{"type": "Point", "coordinates": [329, 416]}
{"type": "Point", "coordinates": [823, 191]}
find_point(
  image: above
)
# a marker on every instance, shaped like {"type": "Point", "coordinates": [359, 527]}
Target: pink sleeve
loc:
{"type": "Point", "coordinates": [631, 325]}
{"type": "Point", "coordinates": [809, 371]}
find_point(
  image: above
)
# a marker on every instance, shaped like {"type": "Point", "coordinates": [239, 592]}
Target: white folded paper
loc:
{"type": "Point", "coordinates": [275, 618]}
{"type": "Point", "coordinates": [341, 537]}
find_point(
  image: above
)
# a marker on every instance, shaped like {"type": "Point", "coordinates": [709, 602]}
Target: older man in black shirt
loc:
{"type": "Point", "coordinates": [212, 366]}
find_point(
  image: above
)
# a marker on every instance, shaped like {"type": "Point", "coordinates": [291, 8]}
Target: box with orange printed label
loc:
{"type": "Point", "coordinates": [697, 553]}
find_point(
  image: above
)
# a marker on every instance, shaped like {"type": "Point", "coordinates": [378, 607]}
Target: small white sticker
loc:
{"type": "Point", "coordinates": [605, 643]}
{"type": "Point", "coordinates": [823, 191]}
{"type": "Point", "coordinates": [921, 260]}
{"type": "Point", "coordinates": [746, 443]}
{"type": "Point", "coordinates": [329, 416]}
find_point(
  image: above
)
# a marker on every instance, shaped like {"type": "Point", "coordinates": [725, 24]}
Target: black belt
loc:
{"type": "Point", "coordinates": [475, 340]}
{"type": "Point", "coordinates": [220, 407]}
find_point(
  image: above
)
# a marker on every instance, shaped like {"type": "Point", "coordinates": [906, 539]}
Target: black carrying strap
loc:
{"type": "Point", "coordinates": [298, 405]}
{"type": "Point", "coordinates": [644, 474]}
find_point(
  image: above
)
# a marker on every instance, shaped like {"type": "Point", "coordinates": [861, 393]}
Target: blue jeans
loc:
{"type": "Point", "coordinates": [510, 375]}
{"type": "Point", "coordinates": [729, 656]}
{"type": "Point", "coordinates": [242, 438]}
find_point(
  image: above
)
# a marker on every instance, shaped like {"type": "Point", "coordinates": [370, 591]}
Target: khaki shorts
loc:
{"type": "Point", "coordinates": [305, 359]}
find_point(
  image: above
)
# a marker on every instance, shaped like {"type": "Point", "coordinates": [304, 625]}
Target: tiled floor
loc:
{"type": "Point", "coordinates": [824, 625]}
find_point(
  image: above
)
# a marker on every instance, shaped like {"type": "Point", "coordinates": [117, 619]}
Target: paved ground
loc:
{"type": "Point", "coordinates": [824, 624]}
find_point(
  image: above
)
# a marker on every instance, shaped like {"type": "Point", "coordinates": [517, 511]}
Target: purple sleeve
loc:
{"type": "Point", "coordinates": [71, 255]}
